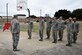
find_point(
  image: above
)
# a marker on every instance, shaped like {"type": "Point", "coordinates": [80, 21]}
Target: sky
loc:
{"type": "Point", "coordinates": [46, 6]}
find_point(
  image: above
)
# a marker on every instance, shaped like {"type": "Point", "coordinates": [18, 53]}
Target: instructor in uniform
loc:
{"type": "Point", "coordinates": [75, 30]}
{"type": "Point", "coordinates": [54, 30]}
{"type": "Point", "coordinates": [15, 30]}
{"type": "Point", "coordinates": [41, 28]}
{"type": "Point", "coordinates": [48, 27]}
{"type": "Point", "coordinates": [69, 31]}
{"type": "Point", "coordinates": [30, 27]}
{"type": "Point", "coordinates": [61, 27]}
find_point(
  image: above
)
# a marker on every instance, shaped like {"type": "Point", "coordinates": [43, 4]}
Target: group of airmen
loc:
{"type": "Point", "coordinates": [54, 26]}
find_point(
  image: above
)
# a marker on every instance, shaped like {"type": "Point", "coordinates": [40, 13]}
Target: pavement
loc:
{"type": "Point", "coordinates": [35, 47]}
{"type": "Point", "coordinates": [4, 51]}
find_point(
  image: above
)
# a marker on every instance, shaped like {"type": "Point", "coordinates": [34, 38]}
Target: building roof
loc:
{"type": "Point", "coordinates": [20, 14]}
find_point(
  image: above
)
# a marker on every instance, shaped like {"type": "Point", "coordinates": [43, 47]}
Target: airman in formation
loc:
{"type": "Point", "coordinates": [53, 26]}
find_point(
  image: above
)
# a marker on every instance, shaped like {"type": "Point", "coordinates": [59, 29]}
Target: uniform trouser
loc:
{"type": "Point", "coordinates": [69, 37]}
{"type": "Point", "coordinates": [41, 34]}
{"type": "Point", "coordinates": [60, 34]}
{"type": "Point", "coordinates": [30, 33]}
{"type": "Point", "coordinates": [48, 32]}
{"type": "Point", "coordinates": [74, 36]}
{"type": "Point", "coordinates": [15, 40]}
{"type": "Point", "coordinates": [54, 35]}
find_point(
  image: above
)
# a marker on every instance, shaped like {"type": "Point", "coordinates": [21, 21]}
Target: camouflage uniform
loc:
{"type": "Point", "coordinates": [75, 31]}
{"type": "Point", "coordinates": [48, 28]}
{"type": "Point", "coordinates": [15, 30]}
{"type": "Point", "coordinates": [30, 27]}
{"type": "Point", "coordinates": [69, 33]}
{"type": "Point", "coordinates": [61, 27]}
{"type": "Point", "coordinates": [54, 30]}
{"type": "Point", "coordinates": [41, 29]}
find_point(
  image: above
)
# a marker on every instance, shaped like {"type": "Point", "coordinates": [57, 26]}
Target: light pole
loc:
{"type": "Point", "coordinates": [7, 11]}
{"type": "Point", "coordinates": [40, 12]}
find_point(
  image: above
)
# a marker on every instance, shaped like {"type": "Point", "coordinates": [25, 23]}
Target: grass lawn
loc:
{"type": "Point", "coordinates": [80, 31]}
{"type": "Point", "coordinates": [35, 27]}
{"type": "Point", "coordinates": [24, 27]}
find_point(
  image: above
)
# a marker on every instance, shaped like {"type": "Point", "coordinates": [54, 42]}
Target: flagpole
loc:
{"type": "Point", "coordinates": [40, 12]}
{"type": "Point", "coordinates": [7, 11]}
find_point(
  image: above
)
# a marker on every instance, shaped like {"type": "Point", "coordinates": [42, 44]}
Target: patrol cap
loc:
{"type": "Point", "coordinates": [74, 18]}
{"type": "Point", "coordinates": [60, 17]}
{"type": "Point", "coordinates": [70, 18]}
{"type": "Point", "coordinates": [14, 17]}
{"type": "Point", "coordinates": [54, 17]}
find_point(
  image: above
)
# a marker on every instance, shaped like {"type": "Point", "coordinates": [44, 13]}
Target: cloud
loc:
{"type": "Point", "coordinates": [47, 6]}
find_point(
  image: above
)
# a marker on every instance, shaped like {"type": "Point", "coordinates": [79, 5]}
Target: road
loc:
{"type": "Point", "coordinates": [35, 47]}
